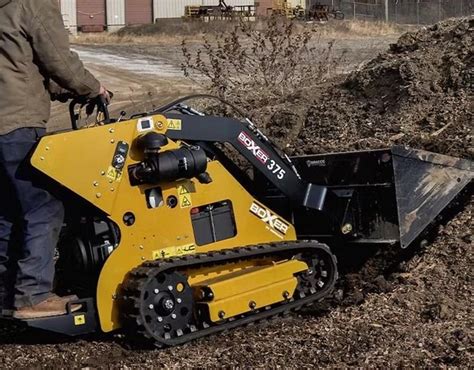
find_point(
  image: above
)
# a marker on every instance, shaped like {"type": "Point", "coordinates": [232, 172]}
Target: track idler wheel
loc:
{"type": "Point", "coordinates": [321, 274]}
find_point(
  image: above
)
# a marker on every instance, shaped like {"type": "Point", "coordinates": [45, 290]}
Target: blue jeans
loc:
{"type": "Point", "coordinates": [30, 221]}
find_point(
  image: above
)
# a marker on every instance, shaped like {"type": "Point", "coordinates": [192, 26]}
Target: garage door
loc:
{"type": "Point", "coordinates": [91, 15]}
{"type": "Point", "coordinates": [138, 11]}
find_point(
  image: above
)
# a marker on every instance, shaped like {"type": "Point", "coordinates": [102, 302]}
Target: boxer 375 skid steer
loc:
{"type": "Point", "coordinates": [167, 237]}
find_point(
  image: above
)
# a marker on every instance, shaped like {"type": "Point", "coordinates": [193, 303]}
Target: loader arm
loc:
{"type": "Point", "coordinates": [256, 148]}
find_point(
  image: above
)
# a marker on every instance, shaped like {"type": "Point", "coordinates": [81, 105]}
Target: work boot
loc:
{"type": "Point", "coordinates": [53, 306]}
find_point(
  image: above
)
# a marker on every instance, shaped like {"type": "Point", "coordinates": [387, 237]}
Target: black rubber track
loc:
{"type": "Point", "coordinates": [137, 279]}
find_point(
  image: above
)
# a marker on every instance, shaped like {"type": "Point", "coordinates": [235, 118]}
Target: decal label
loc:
{"type": "Point", "coordinates": [120, 155]}
{"type": "Point", "coordinates": [248, 142]}
{"type": "Point", "coordinates": [114, 172]}
{"type": "Point", "coordinates": [274, 222]}
{"type": "Point", "coordinates": [184, 194]}
{"type": "Point", "coordinates": [174, 251]}
{"type": "Point", "coordinates": [79, 320]}
{"type": "Point", "coordinates": [185, 201]}
{"type": "Point", "coordinates": [174, 124]}
{"type": "Point", "coordinates": [262, 156]}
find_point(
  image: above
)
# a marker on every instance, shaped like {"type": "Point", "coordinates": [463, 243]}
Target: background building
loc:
{"type": "Point", "coordinates": [100, 15]}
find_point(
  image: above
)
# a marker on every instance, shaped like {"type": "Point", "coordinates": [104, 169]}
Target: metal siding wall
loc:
{"type": "Point", "coordinates": [175, 8]}
{"type": "Point", "coordinates": [68, 10]}
{"type": "Point", "coordinates": [115, 14]}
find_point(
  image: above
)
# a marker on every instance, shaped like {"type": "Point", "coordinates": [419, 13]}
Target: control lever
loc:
{"type": "Point", "coordinates": [122, 115]}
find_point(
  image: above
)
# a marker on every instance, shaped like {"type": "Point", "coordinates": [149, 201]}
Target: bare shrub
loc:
{"type": "Point", "coordinates": [260, 65]}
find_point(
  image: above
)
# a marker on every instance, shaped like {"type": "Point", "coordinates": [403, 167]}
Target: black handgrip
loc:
{"type": "Point", "coordinates": [103, 106]}
{"type": "Point", "coordinates": [99, 102]}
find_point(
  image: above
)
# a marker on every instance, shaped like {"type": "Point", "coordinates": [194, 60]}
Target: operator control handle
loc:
{"type": "Point", "coordinates": [99, 103]}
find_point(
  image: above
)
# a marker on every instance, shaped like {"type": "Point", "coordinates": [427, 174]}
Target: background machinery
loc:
{"type": "Point", "coordinates": [221, 11]}
{"type": "Point", "coordinates": [167, 237]}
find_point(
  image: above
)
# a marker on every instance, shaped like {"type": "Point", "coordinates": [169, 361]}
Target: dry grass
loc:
{"type": "Point", "coordinates": [173, 32]}
{"type": "Point", "coordinates": [359, 28]}
{"type": "Point", "coordinates": [113, 38]}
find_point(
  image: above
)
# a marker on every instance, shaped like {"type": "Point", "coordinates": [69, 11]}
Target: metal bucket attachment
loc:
{"type": "Point", "coordinates": [387, 196]}
{"type": "Point", "coordinates": [425, 183]}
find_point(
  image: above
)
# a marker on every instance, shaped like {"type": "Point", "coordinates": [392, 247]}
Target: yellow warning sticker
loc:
{"type": "Point", "coordinates": [182, 190]}
{"type": "Point", "coordinates": [79, 320]}
{"type": "Point", "coordinates": [184, 193]}
{"type": "Point", "coordinates": [185, 201]}
{"type": "Point", "coordinates": [174, 251]}
{"type": "Point", "coordinates": [186, 188]}
{"type": "Point", "coordinates": [174, 124]}
{"type": "Point", "coordinates": [114, 174]}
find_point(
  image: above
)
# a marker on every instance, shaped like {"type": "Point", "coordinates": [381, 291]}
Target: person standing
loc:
{"type": "Point", "coordinates": [36, 66]}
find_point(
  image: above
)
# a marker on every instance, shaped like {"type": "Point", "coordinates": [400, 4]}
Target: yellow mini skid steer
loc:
{"type": "Point", "coordinates": [166, 236]}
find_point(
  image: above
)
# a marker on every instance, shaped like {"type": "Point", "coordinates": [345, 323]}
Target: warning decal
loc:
{"type": "Point", "coordinates": [185, 201]}
{"type": "Point", "coordinates": [174, 124]}
{"type": "Point", "coordinates": [174, 251]}
{"type": "Point", "coordinates": [79, 320]}
{"type": "Point", "coordinates": [114, 174]}
{"type": "Point", "coordinates": [184, 194]}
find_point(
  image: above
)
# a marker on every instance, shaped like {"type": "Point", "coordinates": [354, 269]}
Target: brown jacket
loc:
{"type": "Point", "coordinates": [34, 59]}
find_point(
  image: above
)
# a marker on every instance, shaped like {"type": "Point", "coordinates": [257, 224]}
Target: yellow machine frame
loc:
{"type": "Point", "coordinates": [81, 161]}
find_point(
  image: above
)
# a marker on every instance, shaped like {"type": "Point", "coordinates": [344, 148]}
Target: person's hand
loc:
{"type": "Point", "coordinates": [104, 93]}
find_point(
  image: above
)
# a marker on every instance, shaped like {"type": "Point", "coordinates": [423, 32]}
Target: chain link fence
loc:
{"type": "Point", "coordinates": [403, 11]}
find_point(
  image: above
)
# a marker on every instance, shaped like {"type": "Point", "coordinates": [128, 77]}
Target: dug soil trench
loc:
{"type": "Point", "coordinates": [398, 310]}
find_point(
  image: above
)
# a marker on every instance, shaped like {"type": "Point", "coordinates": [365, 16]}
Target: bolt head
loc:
{"type": "Point", "coordinates": [221, 314]}
{"type": "Point", "coordinates": [173, 316]}
{"type": "Point", "coordinates": [168, 304]}
{"type": "Point", "coordinates": [179, 300]}
{"type": "Point", "coordinates": [159, 318]}
{"type": "Point", "coordinates": [346, 229]}
{"type": "Point", "coordinates": [151, 307]}
{"type": "Point", "coordinates": [170, 287]}
{"type": "Point", "coordinates": [156, 291]}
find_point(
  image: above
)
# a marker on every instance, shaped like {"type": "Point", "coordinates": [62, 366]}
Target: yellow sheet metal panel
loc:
{"type": "Point", "coordinates": [251, 278]}
{"type": "Point", "coordinates": [81, 161]}
{"type": "Point", "coordinates": [251, 288]}
{"type": "Point", "coordinates": [251, 300]}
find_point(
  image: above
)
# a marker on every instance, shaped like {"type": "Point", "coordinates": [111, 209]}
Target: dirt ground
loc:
{"type": "Point", "coordinates": [410, 309]}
